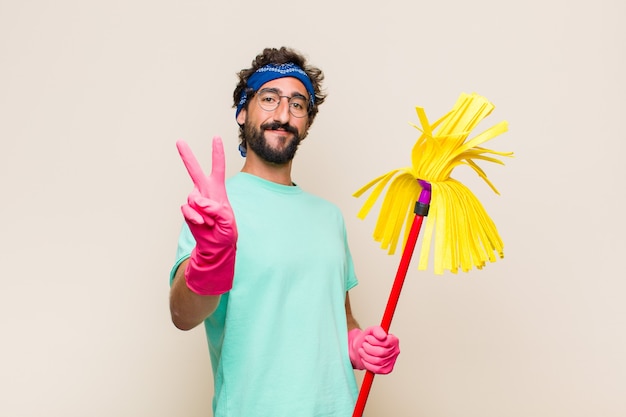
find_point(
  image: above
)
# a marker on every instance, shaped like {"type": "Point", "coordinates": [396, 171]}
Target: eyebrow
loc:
{"type": "Point", "coordinates": [280, 92]}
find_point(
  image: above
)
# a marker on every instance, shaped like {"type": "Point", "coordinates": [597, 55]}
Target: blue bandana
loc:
{"type": "Point", "coordinates": [272, 72]}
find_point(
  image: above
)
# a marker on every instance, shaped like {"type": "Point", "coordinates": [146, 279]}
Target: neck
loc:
{"type": "Point", "coordinates": [280, 174]}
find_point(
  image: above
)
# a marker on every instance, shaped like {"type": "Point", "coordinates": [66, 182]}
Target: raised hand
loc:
{"type": "Point", "coordinates": [211, 220]}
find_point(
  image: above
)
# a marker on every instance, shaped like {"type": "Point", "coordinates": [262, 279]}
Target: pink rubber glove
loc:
{"type": "Point", "coordinates": [211, 220]}
{"type": "Point", "coordinates": [373, 349]}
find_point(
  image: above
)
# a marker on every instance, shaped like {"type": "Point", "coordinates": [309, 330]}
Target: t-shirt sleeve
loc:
{"type": "Point", "coordinates": [351, 279]}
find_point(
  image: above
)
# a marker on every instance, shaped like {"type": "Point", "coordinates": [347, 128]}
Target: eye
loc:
{"type": "Point", "coordinates": [298, 103]}
{"type": "Point", "coordinates": [269, 98]}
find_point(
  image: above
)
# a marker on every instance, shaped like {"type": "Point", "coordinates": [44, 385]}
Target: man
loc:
{"type": "Point", "coordinates": [266, 266]}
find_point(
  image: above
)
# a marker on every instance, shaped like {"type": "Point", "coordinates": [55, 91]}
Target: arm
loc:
{"type": "Point", "coordinates": [187, 308]}
{"type": "Point", "coordinates": [352, 322]}
{"type": "Point", "coordinates": [200, 280]}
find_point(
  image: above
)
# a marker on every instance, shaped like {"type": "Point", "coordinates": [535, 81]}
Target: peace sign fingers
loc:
{"type": "Point", "coordinates": [210, 187]}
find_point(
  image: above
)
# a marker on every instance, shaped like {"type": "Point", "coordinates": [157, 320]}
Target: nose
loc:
{"type": "Point", "coordinates": [281, 114]}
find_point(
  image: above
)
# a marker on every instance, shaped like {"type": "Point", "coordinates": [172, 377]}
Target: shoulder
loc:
{"type": "Point", "coordinates": [322, 206]}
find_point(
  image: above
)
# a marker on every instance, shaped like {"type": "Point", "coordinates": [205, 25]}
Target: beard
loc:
{"type": "Point", "coordinates": [255, 139]}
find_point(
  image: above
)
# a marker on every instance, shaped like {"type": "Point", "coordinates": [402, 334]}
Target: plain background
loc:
{"type": "Point", "coordinates": [93, 96]}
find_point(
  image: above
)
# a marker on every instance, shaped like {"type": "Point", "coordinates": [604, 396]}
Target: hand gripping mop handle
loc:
{"type": "Point", "coordinates": [421, 210]}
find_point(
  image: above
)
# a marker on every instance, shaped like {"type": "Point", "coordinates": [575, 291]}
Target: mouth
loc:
{"type": "Point", "coordinates": [279, 129]}
{"type": "Point", "coordinates": [281, 135]}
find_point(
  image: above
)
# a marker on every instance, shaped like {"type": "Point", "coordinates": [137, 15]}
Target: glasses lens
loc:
{"type": "Point", "coordinates": [268, 100]}
{"type": "Point", "coordinates": [298, 106]}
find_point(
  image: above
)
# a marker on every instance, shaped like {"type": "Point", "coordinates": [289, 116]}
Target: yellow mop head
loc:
{"type": "Point", "coordinates": [464, 235]}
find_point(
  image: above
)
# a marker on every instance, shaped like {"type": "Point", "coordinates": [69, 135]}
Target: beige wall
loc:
{"type": "Point", "coordinates": [93, 96]}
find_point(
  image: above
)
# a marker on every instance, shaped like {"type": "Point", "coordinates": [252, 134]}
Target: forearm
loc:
{"type": "Point", "coordinates": [187, 308]}
{"type": "Point", "coordinates": [350, 319]}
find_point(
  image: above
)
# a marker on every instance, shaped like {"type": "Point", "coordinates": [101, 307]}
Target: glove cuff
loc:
{"type": "Point", "coordinates": [211, 274]}
{"type": "Point", "coordinates": [355, 340]}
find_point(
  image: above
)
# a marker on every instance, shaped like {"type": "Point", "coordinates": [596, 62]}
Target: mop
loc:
{"type": "Point", "coordinates": [463, 233]}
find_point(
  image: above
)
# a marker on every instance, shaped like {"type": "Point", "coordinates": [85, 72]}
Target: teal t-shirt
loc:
{"type": "Point", "coordinates": [278, 339]}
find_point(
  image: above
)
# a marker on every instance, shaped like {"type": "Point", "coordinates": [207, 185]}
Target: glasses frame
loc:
{"type": "Point", "coordinates": [280, 97]}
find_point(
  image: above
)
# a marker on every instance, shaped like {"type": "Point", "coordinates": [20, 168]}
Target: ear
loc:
{"type": "Point", "coordinates": [241, 117]}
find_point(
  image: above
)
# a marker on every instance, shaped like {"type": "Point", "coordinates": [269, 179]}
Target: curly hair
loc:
{"type": "Point", "coordinates": [282, 56]}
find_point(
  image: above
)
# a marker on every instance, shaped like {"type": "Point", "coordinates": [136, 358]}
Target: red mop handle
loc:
{"type": "Point", "coordinates": [421, 210]}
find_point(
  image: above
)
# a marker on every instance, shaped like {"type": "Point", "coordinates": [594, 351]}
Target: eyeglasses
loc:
{"type": "Point", "coordinates": [269, 100]}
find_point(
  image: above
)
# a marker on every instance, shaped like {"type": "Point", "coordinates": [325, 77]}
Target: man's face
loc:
{"type": "Point", "coordinates": [275, 135]}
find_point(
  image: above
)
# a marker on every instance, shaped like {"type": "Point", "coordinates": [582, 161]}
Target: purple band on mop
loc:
{"type": "Point", "coordinates": [272, 72]}
{"type": "Point", "coordinates": [424, 197]}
